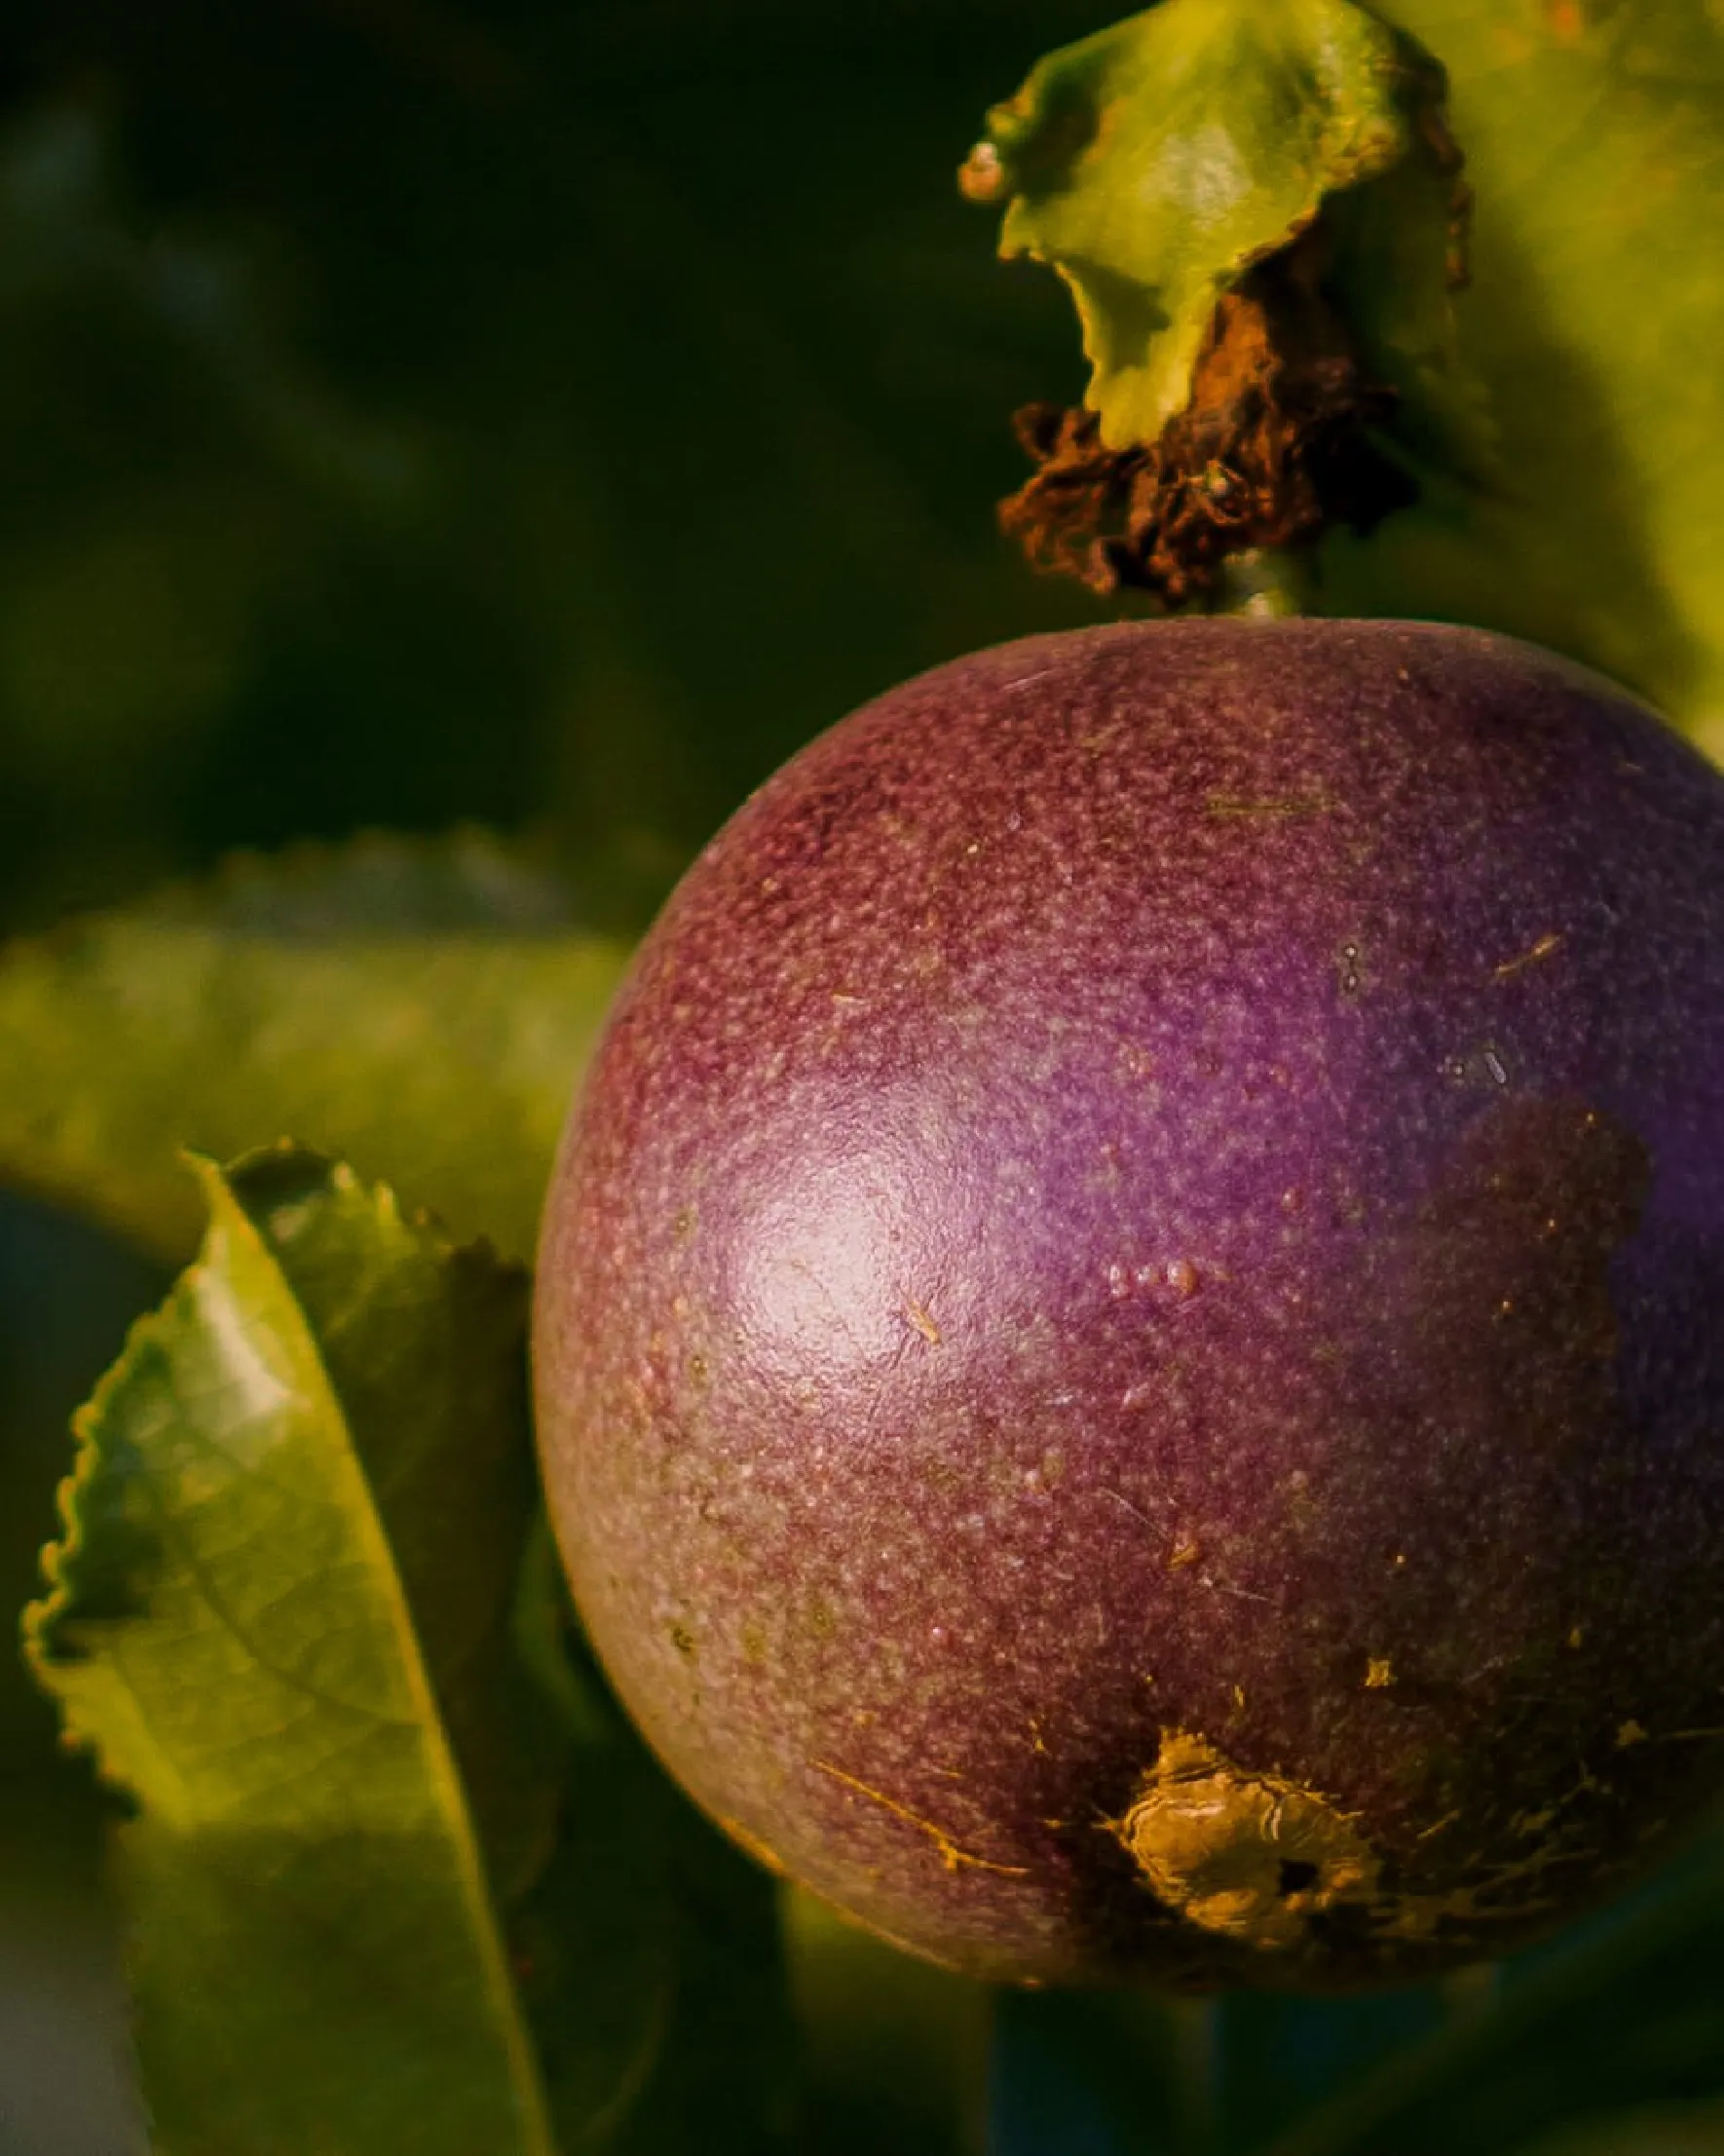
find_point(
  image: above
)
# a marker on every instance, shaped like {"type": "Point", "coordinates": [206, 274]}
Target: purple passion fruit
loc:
{"type": "Point", "coordinates": [1130, 1341]}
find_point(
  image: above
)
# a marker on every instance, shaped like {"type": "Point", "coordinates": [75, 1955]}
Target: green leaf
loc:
{"type": "Point", "coordinates": [1152, 163]}
{"type": "Point", "coordinates": [279, 1616]}
{"type": "Point", "coordinates": [1564, 413]}
{"type": "Point", "coordinates": [1593, 132]}
{"type": "Point", "coordinates": [425, 1010]}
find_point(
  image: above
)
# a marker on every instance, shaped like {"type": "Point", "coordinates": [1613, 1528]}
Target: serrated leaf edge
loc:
{"type": "Point", "coordinates": [227, 1215]}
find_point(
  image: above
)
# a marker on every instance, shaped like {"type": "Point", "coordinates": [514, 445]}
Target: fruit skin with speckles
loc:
{"type": "Point", "coordinates": [1129, 1344]}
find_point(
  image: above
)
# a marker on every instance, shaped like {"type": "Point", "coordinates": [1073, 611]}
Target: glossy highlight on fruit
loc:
{"type": "Point", "coordinates": [1130, 1341]}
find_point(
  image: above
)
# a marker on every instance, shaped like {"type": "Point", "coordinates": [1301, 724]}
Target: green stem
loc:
{"type": "Point", "coordinates": [1263, 585]}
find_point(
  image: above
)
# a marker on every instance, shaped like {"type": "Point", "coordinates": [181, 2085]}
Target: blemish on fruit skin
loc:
{"type": "Point", "coordinates": [951, 1855]}
{"type": "Point", "coordinates": [923, 1320]}
{"type": "Point", "coordinates": [1250, 1857]}
{"type": "Point", "coordinates": [1550, 941]}
{"type": "Point", "coordinates": [1273, 806]}
{"type": "Point", "coordinates": [762, 1852]}
{"type": "Point", "coordinates": [1630, 1732]}
{"type": "Point", "coordinates": [1379, 1672]}
{"type": "Point", "coordinates": [1255, 1857]}
{"type": "Point", "coordinates": [1126, 1505]}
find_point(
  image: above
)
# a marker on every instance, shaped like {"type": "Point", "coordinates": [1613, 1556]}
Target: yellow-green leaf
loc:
{"type": "Point", "coordinates": [425, 1010]}
{"type": "Point", "coordinates": [1152, 163]}
{"type": "Point", "coordinates": [1595, 139]}
{"type": "Point", "coordinates": [279, 1616]}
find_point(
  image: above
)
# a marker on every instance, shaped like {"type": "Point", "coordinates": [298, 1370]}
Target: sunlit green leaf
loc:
{"type": "Point", "coordinates": [1150, 165]}
{"type": "Point", "coordinates": [1594, 132]}
{"type": "Point", "coordinates": [1565, 411]}
{"type": "Point", "coordinates": [279, 1617]}
{"type": "Point", "coordinates": [425, 1010]}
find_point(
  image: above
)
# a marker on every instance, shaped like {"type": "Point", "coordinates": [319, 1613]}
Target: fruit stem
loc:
{"type": "Point", "coordinates": [1268, 583]}
{"type": "Point", "coordinates": [1263, 228]}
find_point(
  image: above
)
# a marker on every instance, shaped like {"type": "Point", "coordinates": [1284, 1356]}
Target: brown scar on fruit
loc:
{"type": "Point", "coordinates": [1253, 1857]}
{"type": "Point", "coordinates": [1477, 1905]}
{"type": "Point", "coordinates": [1292, 805]}
{"type": "Point", "coordinates": [1489, 1898]}
{"type": "Point", "coordinates": [951, 1855]}
{"type": "Point", "coordinates": [1541, 949]}
{"type": "Point", "coordinates": [922, 1319]}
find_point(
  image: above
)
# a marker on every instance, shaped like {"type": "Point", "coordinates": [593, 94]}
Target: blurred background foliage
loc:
{"type": "Point", "coordinates": [548, 413]}
{"type": "Point", "coordinates": [412, 415]}
{"type": "Point", "coordinates": [529, 414]}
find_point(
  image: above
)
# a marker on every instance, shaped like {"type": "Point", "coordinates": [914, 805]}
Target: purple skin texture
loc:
{"type": "Point", "coordinates": [1129, 1334]}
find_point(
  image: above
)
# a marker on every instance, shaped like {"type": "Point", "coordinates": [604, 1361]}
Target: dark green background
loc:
{"type": "Point", "coordinates": [411, 415]}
